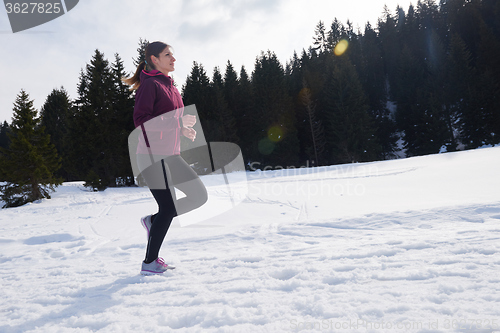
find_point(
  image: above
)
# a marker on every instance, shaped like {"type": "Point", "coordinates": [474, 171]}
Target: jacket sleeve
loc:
{"type": "Point", "coordinates": [145, 113]}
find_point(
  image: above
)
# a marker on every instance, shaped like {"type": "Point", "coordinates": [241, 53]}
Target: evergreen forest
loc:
{"type": "Point", "coordinates": [423, 80]}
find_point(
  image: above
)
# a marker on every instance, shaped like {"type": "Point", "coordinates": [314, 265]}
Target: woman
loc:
{"type": "Point", "coordinates": [158, 111]}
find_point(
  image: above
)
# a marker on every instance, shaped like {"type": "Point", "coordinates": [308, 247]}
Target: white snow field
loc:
{"type": "Point", "coordinates": [408, 245]}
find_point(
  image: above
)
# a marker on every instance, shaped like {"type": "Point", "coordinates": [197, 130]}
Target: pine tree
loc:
{"type": "Point", "coordinates": [143, 43]}
{"type": "Point", "coordinates": [4, 144]}
{"type": "Point", "coordinates": [374, 81]}
{"type": "Point", "coordinates": [231, 87]}
{"type": "Point", "coordinates": [275, 131]}
{"type": "Point", "coordinates": [123, 123]}
{"type": "Point", "coordinates": [391, 48]}
{"type": "Point", "coordinates": [230, 90]}
{"type": "Point", "coordinates": [354, 50]}
{"type": "Point", "coordinates": [439, 131]}
{"type": "Point", "coordinates": [244, 115]}
{"type": "Point", "coordinates": [295, 85]}
{"type": "Point", "coordinates": [30, 161]}
{"type": "Point", "coordinates": [295, 73]}
{"type": "Point", "coordinates": [55, 115]}
{"type": "Point", "coordinates": [320, 38]}
{"type": "Point", "coordinates": [409, 93]}
{"type": "Point", "coordinates": [334, 35]}
{"type": "Point", "coordinates": [459, 77]}
{"type": "Point", "coordinates": [223, 116]}
{"type": "Point", "coordinates": [427, 14]}
{"type": "Point", "coordinates": [92, 136]}
{"type": "Point", "coordinates": [4, 138]}
{"type": "Point", "coordinates": [419, 98]}
{"type": "Point", "coordinates": [489, 79]}
{"type": "Point", "coordinates": [471, 97]}
{"type": "Point", "coordinates": [349, 128]}
{"type": "Point", "coordinates": [197, 91]}
{"type": "Point", "coordinates": [316, 129]}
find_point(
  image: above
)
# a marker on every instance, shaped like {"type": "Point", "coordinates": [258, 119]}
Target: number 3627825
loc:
{"type": "Point", "coordinates": [33, 7]}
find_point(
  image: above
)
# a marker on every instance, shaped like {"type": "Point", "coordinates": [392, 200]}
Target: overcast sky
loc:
{"type": "Point", "coordinates": [210, 32]}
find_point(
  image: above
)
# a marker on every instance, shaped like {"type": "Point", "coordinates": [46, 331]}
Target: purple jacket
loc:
{"type": "Point", "coordinates": [158, 108]}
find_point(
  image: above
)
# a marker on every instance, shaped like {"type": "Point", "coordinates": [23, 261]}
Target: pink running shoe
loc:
{"type": "Point", "coordinates": [146, 223]}
{"type": "Point", "coordinates": [156, 267]}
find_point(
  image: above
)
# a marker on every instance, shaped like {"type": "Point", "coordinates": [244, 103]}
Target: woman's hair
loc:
{"type": "Point", "coordinates": [154, 48]}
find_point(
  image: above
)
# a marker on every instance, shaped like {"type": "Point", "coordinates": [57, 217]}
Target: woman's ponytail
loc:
{"type": "Point", "coordinates": [135, 80]}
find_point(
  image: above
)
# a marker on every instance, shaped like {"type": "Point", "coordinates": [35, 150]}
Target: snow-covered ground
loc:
{"type": "Point", "coordinates": [409, 245]}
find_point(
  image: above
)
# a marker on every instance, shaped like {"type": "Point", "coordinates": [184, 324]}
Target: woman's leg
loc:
{"type": "Point", "coordinates": [171, 172]}
{"type": "Point", "coordinates": [166, 208]}
{"type": "Point", "coordinates": [186, 180]}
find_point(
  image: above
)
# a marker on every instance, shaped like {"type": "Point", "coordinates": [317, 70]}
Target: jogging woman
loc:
{"type": "Point", "coordinates": [158, 111]}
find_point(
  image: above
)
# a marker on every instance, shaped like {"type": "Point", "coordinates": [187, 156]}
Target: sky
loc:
{"type": "Point", "coordinates": [212, 32]}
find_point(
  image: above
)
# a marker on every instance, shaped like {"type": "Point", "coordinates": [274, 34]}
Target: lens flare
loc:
{"type": "Point", "coordinates": [266, 146]}
{"type": "Point", "coordinates": [341, 47]}
{"type": "Point", "coordinates": [275, 134]}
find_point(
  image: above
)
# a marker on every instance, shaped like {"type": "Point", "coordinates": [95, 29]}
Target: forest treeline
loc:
{"type": "Point", "coordinates": [423, 80]}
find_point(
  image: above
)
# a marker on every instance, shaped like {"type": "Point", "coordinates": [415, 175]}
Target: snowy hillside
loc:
{"type": "Point", "coordinates": [409, 245]}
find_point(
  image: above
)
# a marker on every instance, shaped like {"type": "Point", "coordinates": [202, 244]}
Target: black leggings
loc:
{"type": "Point", "coordinates": [173, 171]}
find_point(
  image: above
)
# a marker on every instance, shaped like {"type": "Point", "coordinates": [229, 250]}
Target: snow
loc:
{"type": "Point", "coordinates": [407, 245]}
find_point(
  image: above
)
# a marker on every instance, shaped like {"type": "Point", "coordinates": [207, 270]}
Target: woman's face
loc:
{"type": "Point", "coordinates": [165, 62]}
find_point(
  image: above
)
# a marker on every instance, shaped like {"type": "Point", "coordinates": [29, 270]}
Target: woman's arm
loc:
{"type": "Point", "coordinates": [145, 114]}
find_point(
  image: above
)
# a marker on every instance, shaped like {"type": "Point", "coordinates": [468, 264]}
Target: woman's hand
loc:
{"type": "Point", "coordinates": [188, 121]}
{"type": "Point", "coordinates": [187, 130]}
{"type": "Point", "coordinates": [189, 133]}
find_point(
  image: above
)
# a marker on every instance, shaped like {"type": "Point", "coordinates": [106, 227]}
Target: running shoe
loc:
{"type": "Point", "coordinates": [156, 267]}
